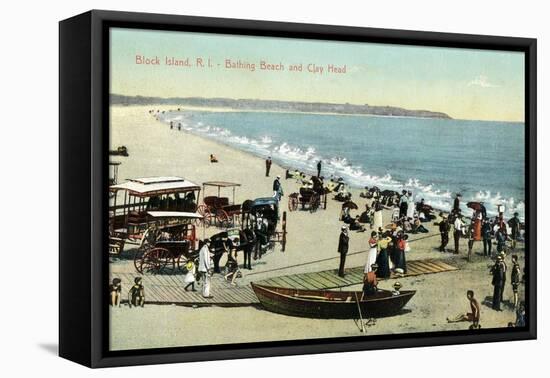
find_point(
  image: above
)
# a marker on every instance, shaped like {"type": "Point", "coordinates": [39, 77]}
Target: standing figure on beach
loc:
{"type": "Point", "coordinates": [498, 277]}
{"type": "Point", "coordinates": [403, 204]}
{"type": "Point", "coordinates": [277, 188]}
{"type": "Point", "coordinates": [469, 316]}
{"type": "Point", "coordinates": [486, 231]}
{"type": "Point", "coordinates": [204, 268]}
{"type": "Point", "coordinates": [410, 205]}
{"type": "Point", "coordinates": [504, 269]}
{"type": "Point", "coordinates": [373, 251]}
{"type": "Point", "coordinates": [267, 166]}
{"type": "Point", "coordinates": [377, 214]}
{"type": "Point", "coordinates": [514, 224]}
{"type": "Point", "coordinates": [444, 228]}
{"type": "Point", "coordinates": [343, 245]}
{"type": "Point", "coordinates": [382, 259]}
{"type": "Point", "coordinates": [319, 165]}
{"type": "Point", "coordinates": [458, 224]}
{"type": "Point", "coordinates": [456, 203]}
{"type": "Point", "coordinates": [248, 247]}
{"type": "Point", "coordinates": [515, 279]}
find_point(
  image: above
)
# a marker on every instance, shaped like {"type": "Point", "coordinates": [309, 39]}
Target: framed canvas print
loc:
{"type": "Point", "coordinates": [233, 188]}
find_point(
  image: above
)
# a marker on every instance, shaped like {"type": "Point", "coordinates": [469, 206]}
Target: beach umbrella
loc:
{"type": "Point", "coordinates": [350, 205]}
{"type": "Point", "coordinates": [474, 205]}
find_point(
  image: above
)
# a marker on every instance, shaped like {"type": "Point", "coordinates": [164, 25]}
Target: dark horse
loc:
{"type": "Point", "coordinates": [221, 243]}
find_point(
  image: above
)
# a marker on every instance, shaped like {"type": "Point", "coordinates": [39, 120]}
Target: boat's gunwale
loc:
{"type": "Point", "coordinates": [405, 293]}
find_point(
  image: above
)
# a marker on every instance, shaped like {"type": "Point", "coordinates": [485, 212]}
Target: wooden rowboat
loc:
{"type": "Point", "coordinates": [327, 304]}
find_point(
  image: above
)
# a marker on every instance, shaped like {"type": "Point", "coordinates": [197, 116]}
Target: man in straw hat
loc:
{"type": "Point", "coordinates": [343, 245]}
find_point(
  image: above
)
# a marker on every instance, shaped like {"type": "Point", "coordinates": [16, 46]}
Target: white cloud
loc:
{"type": "Point", "coordinates": [482, 81]}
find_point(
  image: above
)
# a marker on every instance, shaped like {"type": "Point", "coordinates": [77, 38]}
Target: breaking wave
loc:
{"type": "Point", "coordinates": [305, 158]}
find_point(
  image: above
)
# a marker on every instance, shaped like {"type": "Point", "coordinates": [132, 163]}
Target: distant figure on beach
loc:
{"type": "Point", "coordinates": [403, 204]}
{"type": "Point", "coordinates": [514, 224]}
{"type": "Point", "coordinates": [355, 225]}
{"type": "Point", "coordinates": [189, 278]}
{"type": "Point", "coordinates": [472, 316]}
{"type": "Point", "coordinates": [204, 268]}
{"type": "Point", "coordinates": [268, 163]}
{"type": "Point", "coordinates": [444, 228]}
{"type": "Point", "coordinates": [497, 282]}
{"type": "Point", "coordinates": [319, 165]}
{"type": "Point", "coordinates": [515, 279]}
{"type": "Point", "coordinates": [114, 292]}
{"type": "Point", "coordinates": [343, 245]}
{"type": "Point", "coordinates": [213, 159]}
{"type": "Point", "coordinates": [458, 225]}
{"type": "Point", "coordinates": [373, 251]}
{"type": "Point", "coordinates": [136, 294]}
{"type": "Point", "coordinates": [277, 188]}
{"type": "Point", "coordinates": [486, 231]}
{"type": "Point", "coordinates": [370, 282]}
{"type": "Point", "coordinates": [456, 203]}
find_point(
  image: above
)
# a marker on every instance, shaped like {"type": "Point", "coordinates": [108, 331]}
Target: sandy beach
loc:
{"type": "Point", "coordinates": [155, 150]}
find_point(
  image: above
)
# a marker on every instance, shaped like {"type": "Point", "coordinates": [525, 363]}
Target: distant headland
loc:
{"type": "Point", "coordinates": [275, 105]}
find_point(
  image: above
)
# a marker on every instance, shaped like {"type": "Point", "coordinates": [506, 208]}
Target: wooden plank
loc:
{"type": "Point", "coordinates": [312, 279]}
{"type": "Point", "coordinates": [292, 282]}
{"type": "Point", "coordinates": [278, 282]}
{"type": "Point", "coordinates": [326, 283]}
{"type": "Point", "coordinates": [328, 276]}
{"type": "Point", "coordinates": [302, 281]}
{"type": "Point", "coordinates": [435, 268]}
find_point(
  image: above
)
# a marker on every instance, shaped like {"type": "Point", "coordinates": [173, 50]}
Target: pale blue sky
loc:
{"type": "Point", "coordinates": [467, 84]}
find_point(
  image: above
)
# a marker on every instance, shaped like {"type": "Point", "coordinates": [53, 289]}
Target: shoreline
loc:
{"type": "Point", "coordinates": [355, 188]}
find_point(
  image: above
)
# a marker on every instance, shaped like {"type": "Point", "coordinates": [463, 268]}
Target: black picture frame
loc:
{"type": "Point", "coordinates": [83, 197]}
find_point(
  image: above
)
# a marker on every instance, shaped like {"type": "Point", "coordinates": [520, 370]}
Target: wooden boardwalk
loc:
{"type": "Point", "coordinates": [329, 279]}
{"type": "Point", "coordinates": [169, 289]}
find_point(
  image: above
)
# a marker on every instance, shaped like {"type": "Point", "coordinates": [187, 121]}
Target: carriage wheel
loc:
{"type": "Point", "coordinates": [204, 210]}
{"type": "Point", "coordinates": [223, 219]}
{"type": "Point", "coordinates": [154, 261]}
{"type": "Point", "coordinates": [314, 203]}
{"type": "Point", "coordinates": [292, 203]}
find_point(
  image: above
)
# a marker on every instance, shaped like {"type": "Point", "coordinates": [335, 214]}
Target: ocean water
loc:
{"type": "Point", "coordinates": [434, 158]}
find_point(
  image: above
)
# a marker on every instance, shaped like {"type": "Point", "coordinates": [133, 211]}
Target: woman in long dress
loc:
{"type": "Point", "coordinates": [410, 207]}
{"type": "Point", "coordinates": [382, 258]}
{"type": "Point", "coordinates": [477, 225]}
{"type": "Point", "coordinates": [373, 251]}
{"type": "Point", "coordinates": [377, 215]}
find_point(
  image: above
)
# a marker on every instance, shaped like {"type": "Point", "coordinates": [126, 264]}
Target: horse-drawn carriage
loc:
{"type": "Point", "coordinates": [262, 216]}
{"type": "Point", "coordinates": [157, 215]}
{"type": "Point", "coordinates": [218, 210]}
{"type": "Point", "coordinates": [169, 242]}
{"type": "Point", "coordinates": [312, 195]}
